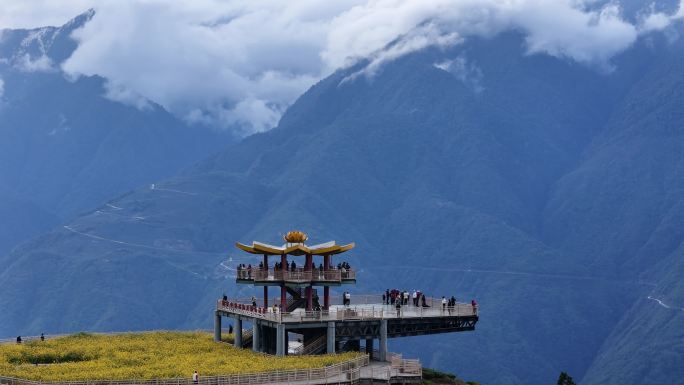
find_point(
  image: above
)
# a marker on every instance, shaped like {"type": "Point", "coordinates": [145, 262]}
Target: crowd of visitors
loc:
{"type": "Point", "coordinates": [399, 298]}
{"type": "Point", "coordinates": [246, 271]}
{"type": "Point", "coordinates": [394, 296]}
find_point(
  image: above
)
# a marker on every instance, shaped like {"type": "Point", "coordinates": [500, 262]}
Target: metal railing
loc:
{"type": "Point", "coordinates": [348, 371]}
{"type": "Point", "coordinates": [297, 275]}
{"type": "Point", "coordinates": [356, 312]}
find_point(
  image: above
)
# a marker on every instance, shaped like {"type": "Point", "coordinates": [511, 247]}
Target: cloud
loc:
{"type": "Point", "coordinates": [467, 72]}
{"type": "Point", "coordinates": [38, 13]}
{"type": "Point", "coordinates": [25, 63]}
{"type": "Point", "coordinates": [658, 21]}
{"type": "Point", "coordinates": [242, 63]}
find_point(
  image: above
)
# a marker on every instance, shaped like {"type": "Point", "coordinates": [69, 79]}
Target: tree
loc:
{"type": "Point", "coordinates": [565, 379]}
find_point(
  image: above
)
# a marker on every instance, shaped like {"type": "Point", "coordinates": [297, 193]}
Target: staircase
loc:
{"type": "Point", "coordinates": [316, 346]}
{"type": "Point", "coordinates": [247, 338]}
{"type": "Point", "coordinates": [298, 300]}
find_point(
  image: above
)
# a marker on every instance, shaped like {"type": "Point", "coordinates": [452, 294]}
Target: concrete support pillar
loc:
{"type": "Point", "coordinates": [382, 349]}
{"type": "Point", "coordinates": [281, 349]}
{"type": "Point", "coordinates": [331, 338]}
{"type": "Point", "coordinates": [369, 347]}
{"type": "Point", "coordinates": [237, 332]}
{"type": "Point", "coordinates": [217, 327]}
{"type": "Point", "coordinates": [256, 336]}
{"type": "Point", "coordinates": [283, 299]}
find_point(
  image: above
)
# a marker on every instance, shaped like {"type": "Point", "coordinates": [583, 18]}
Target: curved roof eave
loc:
{"type": "Point", "coordinates": [298, 249]}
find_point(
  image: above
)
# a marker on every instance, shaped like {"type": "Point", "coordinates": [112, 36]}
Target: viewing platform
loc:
{"type": "Point", "coordinates": [341, 323]}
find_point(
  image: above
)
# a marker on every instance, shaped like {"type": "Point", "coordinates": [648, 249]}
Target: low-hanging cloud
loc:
{"type": "Point", "coordinates": [239, 64]}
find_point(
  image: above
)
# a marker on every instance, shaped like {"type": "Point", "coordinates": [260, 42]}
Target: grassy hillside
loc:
{"type": "Point", "coordinates": [141, 356]}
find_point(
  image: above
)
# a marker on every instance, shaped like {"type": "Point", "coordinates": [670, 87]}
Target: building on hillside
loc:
{"type": "Point", "coordinates": [325, 325]}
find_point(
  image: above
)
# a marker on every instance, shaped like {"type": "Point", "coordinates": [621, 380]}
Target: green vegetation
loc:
{"type": "Point", "coordinates": [434, 377]}
{"type": "Point", "coordinates": [141, 356]}
{"type": "Point", "coordinates": [565, 379]}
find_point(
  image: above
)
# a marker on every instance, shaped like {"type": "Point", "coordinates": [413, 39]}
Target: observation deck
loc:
{"type": "Point", "coordinates": [337, 324]}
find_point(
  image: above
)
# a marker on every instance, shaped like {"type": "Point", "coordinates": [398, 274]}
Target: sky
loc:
{"type": "Point", "coordinates": [239, 64]}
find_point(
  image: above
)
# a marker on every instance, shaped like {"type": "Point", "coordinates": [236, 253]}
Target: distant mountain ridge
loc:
{"type": "Point", "coordinates": [64, 147]}
{"type": "Point", "coordinates": [550, 192]}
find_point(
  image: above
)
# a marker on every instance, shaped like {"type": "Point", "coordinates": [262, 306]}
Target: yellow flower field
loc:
{"type": "Point", "coordinates": [142, 356]}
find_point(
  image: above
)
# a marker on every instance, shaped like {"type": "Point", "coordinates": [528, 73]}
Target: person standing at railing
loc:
{"type": "Point", "coordinates": [42, 336]}
{"type": "Point", "coordinates": [195, 378]}
{"type": "Point", "coordinates": [398, 307]}
{"type": "Point", "coordinates": [474, 305]}
{"type": "Point", "coordinates": [386, 297]}
{"type": "Point", "coordinates": [249, 271]}
{"type": "Point", "coordinates": [444, 304]}
{"type": "Point", "coordinates": [254, 301]}
{"type": "Point", "coordinates": [18, 339]}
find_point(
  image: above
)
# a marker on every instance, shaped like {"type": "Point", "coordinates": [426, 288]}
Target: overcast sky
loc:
{"type": "Point", "coordinates": [241, 63]}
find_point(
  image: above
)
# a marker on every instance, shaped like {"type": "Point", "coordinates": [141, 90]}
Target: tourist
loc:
{"type": "Point", "coordinates": [293, 266]}
{"type": "Point", "coordinates": [406, 297]}
{"type": "Point", "coordinates": [398, 306]}
{"type": "Point", "coordinates": [42, 337]}
{"type": "Point", "coordinates": [387, 297]}
{"type": "Point", "coordinates": [414, 296]}
{"type": "Point", "coordinates": [254, 301]}
{"type": "Point", "coordinates": [249, 271]}
{"type": "Point", "coordinates": [261, 265]}
{"type": "Point", "coordinates": [474, 305]}
{"type": "Point", "coordinates": [422, 298]}
{"type": "Point", "coordinates": [195, 378]}
{"type": "Point", "coordinates": [347, 298]}
{"type": "Point", "coordinates": [230, 328]}
{"type": "Point", "coordinates": [18, 339]}
{"type": "Point", "coordinates": [275, 308]}
{"type": "Point", "coordinates": [444, 304]}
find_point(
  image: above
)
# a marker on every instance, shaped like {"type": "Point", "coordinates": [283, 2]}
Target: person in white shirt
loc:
{"type": "Point", "coordinates": [195, 377]}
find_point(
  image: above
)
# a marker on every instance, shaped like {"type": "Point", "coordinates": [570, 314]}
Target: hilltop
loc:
{"type": "Point", "coordinates": [84, 356]}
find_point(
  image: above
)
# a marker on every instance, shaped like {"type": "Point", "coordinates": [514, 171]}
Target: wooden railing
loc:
{"type": "Point", "coordinates": [348, 371]}
{"type": "Point", "coordinates": [296, 275]}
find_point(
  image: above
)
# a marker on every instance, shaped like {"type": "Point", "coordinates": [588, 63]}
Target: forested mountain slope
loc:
{"type": "Point", "coordinates": [66, 147]}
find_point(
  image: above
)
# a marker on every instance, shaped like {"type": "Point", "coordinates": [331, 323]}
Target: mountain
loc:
{"type": "Point", "coordinates": [547, 190]}
{"type": "Point", "coordinates": [65, 147]}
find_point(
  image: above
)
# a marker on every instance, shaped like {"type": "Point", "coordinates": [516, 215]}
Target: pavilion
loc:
{"type": "Point", "coordinates": [331, 326]}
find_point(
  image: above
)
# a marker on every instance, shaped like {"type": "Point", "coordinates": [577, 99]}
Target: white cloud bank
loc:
{"type": "Point", "coordinates": [241, 63]}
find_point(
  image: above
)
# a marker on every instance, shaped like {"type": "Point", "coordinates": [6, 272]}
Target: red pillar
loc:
{"type": "Point", "coordinates": [309, 291]}
{"type": "Point", "coordinates": [326, 290]}
{"type": "Point", "coordinates": [283, 291]}
{"type": "Point", "coordinates": [266, 287]}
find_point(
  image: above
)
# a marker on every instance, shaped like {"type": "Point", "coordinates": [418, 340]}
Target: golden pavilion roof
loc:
{"type": "Point", "coordinates": [295, 246]}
